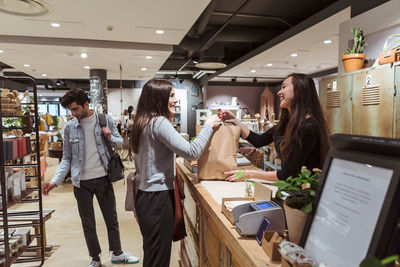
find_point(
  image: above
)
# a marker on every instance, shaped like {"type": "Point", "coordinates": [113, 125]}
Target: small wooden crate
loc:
{"type": "Point", "coordinates": [270, 244]}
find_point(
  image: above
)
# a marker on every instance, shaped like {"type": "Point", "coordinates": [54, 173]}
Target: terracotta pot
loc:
{"type": "Point", "coordinates": [353, 62]}
{"type": "Point", "coordinates": [295, 219]}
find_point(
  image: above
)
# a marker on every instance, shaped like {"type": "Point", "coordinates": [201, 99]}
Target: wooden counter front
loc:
{"type": "Point", "coordinates": [212, 240]}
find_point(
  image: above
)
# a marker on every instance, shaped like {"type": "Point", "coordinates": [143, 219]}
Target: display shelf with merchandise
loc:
{"type": "Point", "coordinates": [14, 163]}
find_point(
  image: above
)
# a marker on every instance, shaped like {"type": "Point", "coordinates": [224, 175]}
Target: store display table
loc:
{"type": "Point", "coordinates": [212, 240]}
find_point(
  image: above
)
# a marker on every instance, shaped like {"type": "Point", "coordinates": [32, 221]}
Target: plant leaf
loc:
{"type": "Point", "coordinates": [239, 174]}
{"type": "Point", "coordinates": [389, 259]}
{"type": "Point", "coordinates": [307, 208]}
{"type": "Point", "coordinates": [306, 172]}
{"type": "Point", "coordinates": [371, 261]}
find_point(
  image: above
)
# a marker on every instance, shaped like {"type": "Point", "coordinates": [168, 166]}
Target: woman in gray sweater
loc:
{"type": "Point", "coordinates": [155, 143]}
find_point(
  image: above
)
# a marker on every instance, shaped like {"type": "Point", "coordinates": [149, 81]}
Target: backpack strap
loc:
{"type": "Point", "coordinates": [103, 123]}
{"type": "Point", "coordinates": [102, 120]}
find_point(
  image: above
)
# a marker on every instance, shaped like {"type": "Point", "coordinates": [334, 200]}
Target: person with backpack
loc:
{"type": "Point", "coordinates": [86, 155]}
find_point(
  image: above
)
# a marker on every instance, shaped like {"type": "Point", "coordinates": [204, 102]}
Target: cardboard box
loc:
{"type": "Point", "coordinates": [270, 244]}
{"type": "Point", "coordinates": [261, 192]}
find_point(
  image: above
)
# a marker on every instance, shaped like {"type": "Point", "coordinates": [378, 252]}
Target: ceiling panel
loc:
{"type": "Point", "coordinates": [65, 62]}
{"type": "Point", "coordinates": [132, 21]}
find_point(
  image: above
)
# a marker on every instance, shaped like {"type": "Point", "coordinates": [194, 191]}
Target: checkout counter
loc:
{"type": "Point", "coordinates": [212, 240]}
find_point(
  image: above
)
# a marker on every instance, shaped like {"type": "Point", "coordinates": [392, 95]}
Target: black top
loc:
{"type": "Point", "coordinates": [306, 153]}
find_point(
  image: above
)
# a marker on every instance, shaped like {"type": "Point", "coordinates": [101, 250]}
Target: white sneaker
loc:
{"type": "Point", "coordinates": [124, 258]}
{"type": "Point", "coordinates": [95, 264]}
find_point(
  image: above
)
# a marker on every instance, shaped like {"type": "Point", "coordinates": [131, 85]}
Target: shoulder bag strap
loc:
{"type": "Point", "coordinates": [103, 123]}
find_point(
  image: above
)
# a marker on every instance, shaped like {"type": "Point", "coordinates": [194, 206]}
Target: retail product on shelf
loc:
{"type": "Point", "coordinates": [20, 165]}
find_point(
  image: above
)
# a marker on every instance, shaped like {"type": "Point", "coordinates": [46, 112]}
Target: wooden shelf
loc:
{"type": "Point", "coordinates": [17, 116]}
{"type": "Point", "coordinates": [21, 250]}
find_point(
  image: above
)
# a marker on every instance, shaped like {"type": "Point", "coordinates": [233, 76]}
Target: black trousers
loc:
{"type": "Point", "coordinates": [105, 197]}
{"type": "Point", "coordinates": [155, 212]}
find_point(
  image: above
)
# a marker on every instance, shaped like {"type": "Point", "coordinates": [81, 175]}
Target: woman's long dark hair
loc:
{"type": "Point", "coordinates": [153, 102]}
{"type": "Point", "coordinates": [305, 102]}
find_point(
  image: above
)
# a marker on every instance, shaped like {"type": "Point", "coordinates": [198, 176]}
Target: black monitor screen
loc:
{"type": "Point", "coordinates": [356, 210]}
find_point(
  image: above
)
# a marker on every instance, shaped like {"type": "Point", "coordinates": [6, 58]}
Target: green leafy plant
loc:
{"type": "Point", "coordinates": [59, 137]}
{"type": "Point", "coordinates": [371, 261]}
{"type": "Point", "coordinates": [302, 188]}
{"type": "Point", "coordinates": [55, 122]}
{"type": "Point", "coordinates": [359, 42]}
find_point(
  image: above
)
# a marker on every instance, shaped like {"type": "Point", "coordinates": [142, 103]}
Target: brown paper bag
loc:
{"type": "Point", "coordinates": [220, 154]}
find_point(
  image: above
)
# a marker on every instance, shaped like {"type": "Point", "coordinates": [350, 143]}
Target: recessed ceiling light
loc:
{"type": "Point", "coordinates": [160, 31]}
{"type": "Point", "coordinates": [83, 55]}
{"type": "Point", "coordinates": [87, 67]}
{"type": "Point", "coordinates": [44, 75]}
{"type": "Point", "coordinates": [327, 41]}
{"type": "Point", "coordinates": [27, 65]}
{"type": "Point", "coordinates": [293, 55]}
{"type": "Point", "coordinates": [143, 69]}
{"type": "Point", "coordinates": [1, 51]}
{"type": "Point", "coordinates": [149, 57]}
{"type": "Point", "coordinates": [55, 24]}
{"type": "Point", "coordinates": [270, 64]}
{"type": "Point", "coordinates": [252, 71]}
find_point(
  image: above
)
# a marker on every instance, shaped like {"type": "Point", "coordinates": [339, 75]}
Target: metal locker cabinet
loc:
{"type": "Point", "coordinates": [373, 101]}
{"type": "Point", "coordinates": [335, 99]}
{"type": "Point", "coordinates": [397, 102]}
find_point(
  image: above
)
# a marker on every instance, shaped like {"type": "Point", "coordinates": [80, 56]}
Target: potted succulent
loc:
{"type": "Point", "coordinates": [353, 59]}
{"type": "Point", "coordinates": [298, 204]}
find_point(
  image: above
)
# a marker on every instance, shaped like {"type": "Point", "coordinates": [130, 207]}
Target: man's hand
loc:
{"type": "Point", "coordinates": [47, 188]}
{"type": "Point", "coordinates": [106, 132]}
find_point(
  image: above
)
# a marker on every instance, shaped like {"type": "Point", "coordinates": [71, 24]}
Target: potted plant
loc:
{"type": "Point", "coordinates": [298, 204]}
{"type": "Point", "coordinates": [353, 59]}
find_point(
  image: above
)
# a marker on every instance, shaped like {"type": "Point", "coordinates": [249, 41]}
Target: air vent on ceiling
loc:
{"type": "Point", "coordinates": [24, 7]}
{"type": "Point", "coordinates": [333, 99]}
{"type": "Point", "coordinates": [371, 96]}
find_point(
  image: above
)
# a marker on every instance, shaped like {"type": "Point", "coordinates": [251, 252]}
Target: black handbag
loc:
{"type": "Point", "coordinates": [115, 166]}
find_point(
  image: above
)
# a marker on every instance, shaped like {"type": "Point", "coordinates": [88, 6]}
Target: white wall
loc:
{"type": "Point", "coordinates": [130, 97]}
{"type": "Point", "coordinates": [377, 23]}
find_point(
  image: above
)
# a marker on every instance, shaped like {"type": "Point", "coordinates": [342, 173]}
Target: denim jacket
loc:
{"type": "Point", "coordinates": [74, 149]}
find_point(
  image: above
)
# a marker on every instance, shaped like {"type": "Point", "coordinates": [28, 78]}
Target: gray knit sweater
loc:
{"type": "Point", "coordinates": [155, 160]}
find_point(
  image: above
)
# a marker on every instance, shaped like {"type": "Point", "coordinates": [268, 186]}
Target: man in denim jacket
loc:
{"type": "Point", "coordinates": [85, 154]}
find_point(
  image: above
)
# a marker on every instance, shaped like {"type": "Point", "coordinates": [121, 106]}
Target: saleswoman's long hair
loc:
{"type": "Point", "coordinates": [305, 102]}
{"type": "Point", "coordinates": [153, 102]}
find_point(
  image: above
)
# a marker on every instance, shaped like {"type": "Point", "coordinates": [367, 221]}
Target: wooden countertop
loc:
{"type": "Point", "coordinates": [246, 249]}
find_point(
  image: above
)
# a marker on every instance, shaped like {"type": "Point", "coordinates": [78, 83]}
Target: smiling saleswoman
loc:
{"type": "Point", "coordinates": [300, 137]}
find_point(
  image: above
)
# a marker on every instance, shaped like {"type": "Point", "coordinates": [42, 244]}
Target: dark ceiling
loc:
{"type": "Point", "coordinates": [234, 30]}
{"type": "Point", "coordinates": [229, 29]}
